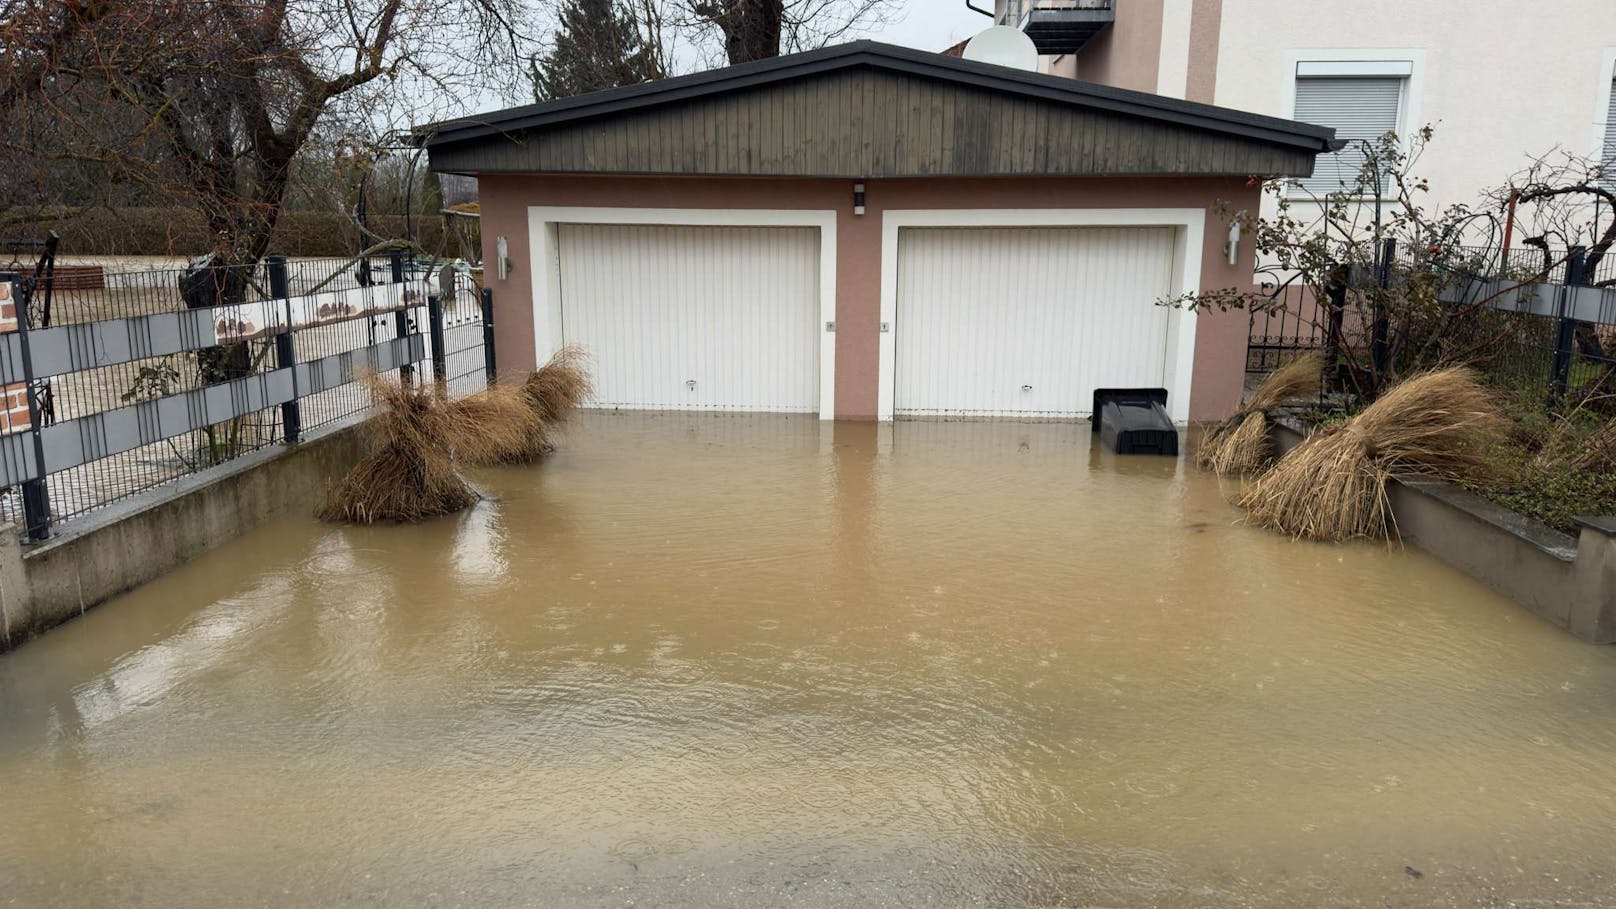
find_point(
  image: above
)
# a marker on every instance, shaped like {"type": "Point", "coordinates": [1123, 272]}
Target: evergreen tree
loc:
{"type": "Point", "coordinates": [597, 46]}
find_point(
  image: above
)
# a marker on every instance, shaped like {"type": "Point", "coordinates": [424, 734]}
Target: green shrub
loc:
{"type": "Point", "coordinates": [1555, 467]}
{"type": "Point", "coordinates": [1556, 496]}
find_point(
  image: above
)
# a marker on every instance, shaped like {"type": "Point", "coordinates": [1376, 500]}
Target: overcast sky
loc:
{"type": "Point", "coordinates": [933, 24]}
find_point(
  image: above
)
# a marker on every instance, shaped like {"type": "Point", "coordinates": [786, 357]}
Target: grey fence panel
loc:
{"type": "Point", "coordinates": [340, 369]}
{"type": "Point", "coordinates": [89, 445]}
{"type": "Point", "coordinates": [90, 345]}
{"type": "Point", "coordinates": [73, 442]}
{"type": "Point", "coordinates": [1590, 304]}
{"type": "Point", "coordinates": [11, 371]}
{"type": "Point", "coordinates": [17, 461]}
{"type": "Point", "coordinates": [1585, 304]}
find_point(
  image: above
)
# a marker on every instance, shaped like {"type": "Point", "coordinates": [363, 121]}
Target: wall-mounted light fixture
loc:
{"type": "Point", "coordinates": [1233, 246]}
{"type": "Point", "coordinates": [858, 198]}
{"type": "Point", "coordinates": [502, 258]}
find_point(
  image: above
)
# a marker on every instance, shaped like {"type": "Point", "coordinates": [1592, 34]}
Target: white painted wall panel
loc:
{"type": "Point", "coordinates": [1028, 321]}
{"type": "Point", "coordinates": [734, 310]}
{"type": "Point", "coordinates": [1493, 107]}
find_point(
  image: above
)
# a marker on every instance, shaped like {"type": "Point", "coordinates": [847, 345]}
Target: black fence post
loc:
{"type": "Point", "coordinates": [1336, 296]}
{"type": "Point", "coordinates": [36, 510]}
{"type": "Point", "coordinates": [1380, 331]}
{"type": "Point", "coordinates": [434, 327]}
{"type": "Point", "coordinates": [280, 288]}
{"type": "Point", "coordinates": [1576, 274]}
{"type": "Point", "coordinates": [488, 334]}
{"type": "Point", "coordinates": [401, 319]}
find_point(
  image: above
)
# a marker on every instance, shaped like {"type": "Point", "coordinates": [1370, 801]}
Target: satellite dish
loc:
{"type": "Point", "coordinates": [1002, 45]}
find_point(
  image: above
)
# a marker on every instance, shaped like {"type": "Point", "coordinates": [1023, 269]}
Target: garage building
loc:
{"type": "Point", "coordinates": [872, 232]}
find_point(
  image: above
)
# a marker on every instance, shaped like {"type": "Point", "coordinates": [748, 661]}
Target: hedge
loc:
{"type": "Point", "coordinates": [181, 232]}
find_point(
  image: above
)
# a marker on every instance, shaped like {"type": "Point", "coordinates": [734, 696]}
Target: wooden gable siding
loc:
{"type": "Point", "coordinates": [868, 123]}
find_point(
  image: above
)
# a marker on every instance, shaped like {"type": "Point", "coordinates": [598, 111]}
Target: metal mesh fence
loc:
{"type": "Point", "coordinates": [1544, 355]}
{"type": "Point", "coordinates": [1522, 354]}
{"type": "Point", "coordinates": [60, 399]}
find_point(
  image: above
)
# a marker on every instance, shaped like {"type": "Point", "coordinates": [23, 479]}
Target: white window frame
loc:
{"type": "Point", "coordinates": [1602, 109]}
{"type": "Point", "coordinates": [544, 252]}
{"type": "Point", "coordinates": [1406, 62]}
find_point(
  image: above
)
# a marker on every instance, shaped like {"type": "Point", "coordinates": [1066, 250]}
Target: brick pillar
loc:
{"type": "Point", "coordinates": [13, 398]}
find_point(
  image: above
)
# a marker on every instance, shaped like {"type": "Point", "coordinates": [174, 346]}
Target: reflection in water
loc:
{"type": "Point", "coordinates": [746, 661]}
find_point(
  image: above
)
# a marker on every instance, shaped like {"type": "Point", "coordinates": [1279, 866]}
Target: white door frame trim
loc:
{"type": "Point", "coordinates": [543, 251]}
{"type": "Point", "coordinates": [1187, 257]}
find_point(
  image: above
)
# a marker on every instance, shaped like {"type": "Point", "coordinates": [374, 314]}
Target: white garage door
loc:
{"type": "Point", "coordinates": [1028, 321]}
{"type": "Point", "coordinates": [694, 318]}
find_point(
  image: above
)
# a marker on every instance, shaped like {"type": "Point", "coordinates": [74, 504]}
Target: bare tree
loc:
{"type": "Point", "coordinates": [1564, 200]}
{"type": "Point", "coordinates": [1424, 307]}
{"type": "Point", "coordinates": [759, 29]}
{"type": "Point", "coordinates": [209, 102]}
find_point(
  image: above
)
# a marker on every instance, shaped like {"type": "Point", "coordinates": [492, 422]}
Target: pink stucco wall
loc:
{"type": "Point", "coordinates": [1206, 25]}
{"type": "Point", "coordinates": [1220, 338]}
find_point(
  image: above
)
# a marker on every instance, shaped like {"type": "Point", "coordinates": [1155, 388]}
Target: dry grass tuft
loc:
{"type": "Point", "coordinates": [559, 386]}
{"type": "Point", "coordinates": [1241, 444]}
{"type": "Point", "coordinates": [1598, 450]}
{"type": "Point", "coordinates": [1333, 486]}
{"type": "Point", "coordinates": [496, 426]}
{"type": "Point", "coordinates": [1578, 441]}
{"type": "Point", "coordinates": [408, 475]}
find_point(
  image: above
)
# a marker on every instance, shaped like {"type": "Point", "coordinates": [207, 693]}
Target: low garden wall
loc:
{"type": "Point", "coordinates": [1569, 581]}
{"type": "Point", "coordinates": [127, 544]}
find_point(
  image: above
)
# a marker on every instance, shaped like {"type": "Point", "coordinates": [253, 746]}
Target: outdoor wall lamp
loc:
{"type": "Point", "coordinates": [502, 257]}
{"type": "Point", "coordinates": [858, 198]}
{"type": "Point", "coordinates": [1233, 246]}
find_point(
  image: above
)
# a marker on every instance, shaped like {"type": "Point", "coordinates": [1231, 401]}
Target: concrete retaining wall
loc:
{"type": "Point", "coordinates": [1569, 581]}
{"type": "Point", "coordinates": [125, 545]}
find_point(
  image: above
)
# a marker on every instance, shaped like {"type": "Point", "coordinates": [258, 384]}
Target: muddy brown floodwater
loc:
{"type": "Point", "coordinates": [756, 661]}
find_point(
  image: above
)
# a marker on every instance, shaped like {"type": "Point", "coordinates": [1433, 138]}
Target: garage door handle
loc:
{"type": "Point", "coordinates": [1026, 388]}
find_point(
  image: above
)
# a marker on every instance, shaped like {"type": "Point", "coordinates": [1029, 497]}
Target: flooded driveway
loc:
{"type": "Point", "coordinates": [756, 661]}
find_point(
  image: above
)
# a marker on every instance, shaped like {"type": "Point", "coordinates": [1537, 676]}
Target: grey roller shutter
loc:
{"type": "Point", "coordinates": [1357, 107]}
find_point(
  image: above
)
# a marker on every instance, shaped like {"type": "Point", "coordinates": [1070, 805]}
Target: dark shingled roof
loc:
{"type": "Point", "coordinates": [891, 58]}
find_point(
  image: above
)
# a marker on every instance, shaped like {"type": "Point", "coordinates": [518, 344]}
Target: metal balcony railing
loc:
{"type": "Point", "coordinates": [1059, 26]}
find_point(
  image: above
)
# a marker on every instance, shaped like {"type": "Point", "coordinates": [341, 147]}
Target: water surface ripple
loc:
{"type": "Point", "coordinates": [753, 661]}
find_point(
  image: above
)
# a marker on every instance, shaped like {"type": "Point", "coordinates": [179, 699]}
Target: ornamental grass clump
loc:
{"type": "Point", "coordinates": [559, 386]}
{"type": "Point", "coordinates": [496, 426]}
{"type": "Point", "coordinates": [408, 474]}
{"type": "Point", "coordinates": [1438, 425]}
{"type": "Point", "coordinates": [1241, 444]}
